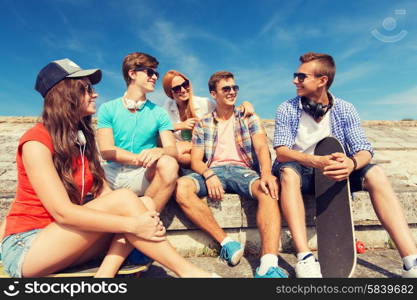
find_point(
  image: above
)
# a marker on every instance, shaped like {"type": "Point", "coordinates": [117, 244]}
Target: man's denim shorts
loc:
{"type": "Point", "coordinates": [234, 179]}
{"type": "Point", "coordinates": [356, 178]}
{"type": "Point", "coordinates": [13, 250]}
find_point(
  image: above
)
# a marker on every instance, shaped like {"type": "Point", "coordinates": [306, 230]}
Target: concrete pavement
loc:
{"type": "Point", "coordinates": [374, 263]}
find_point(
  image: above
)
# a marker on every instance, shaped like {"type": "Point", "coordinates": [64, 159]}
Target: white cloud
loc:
{"type": "Point", "coordinates": [354, 73]}
{"type": "Point", "coordinates": [286, 10]}
{"type": "Point", "coordinates": [261, 85]}
{"type": "Point", "coordinates": [69, 43]}
{"type": "Point", "coordinates": [407, 97]}
{"type": "Point", "coordinates": [270, 24]}
{"type": "Point", "coordinates": [354, 48]}
{"type": "Point", "coordinates": [171, 42]}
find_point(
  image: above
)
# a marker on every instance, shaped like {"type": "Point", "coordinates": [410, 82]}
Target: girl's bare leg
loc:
{"type": "Point", "coordinates": [59, 246]}
{"type": "Point", "coordinates": [119, 249]}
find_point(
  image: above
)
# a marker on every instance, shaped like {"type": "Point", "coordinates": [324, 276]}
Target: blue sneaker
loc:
{"type": "Point", "coordinates": [273, 272]}
{"type": "Point", "coordinates": [231, 252]}
{"type": "Point", "coordinates": [137, 258]}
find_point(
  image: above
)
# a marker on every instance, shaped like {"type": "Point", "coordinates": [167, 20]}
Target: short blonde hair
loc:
{"type": "Point", "coordinates": [326, 65]}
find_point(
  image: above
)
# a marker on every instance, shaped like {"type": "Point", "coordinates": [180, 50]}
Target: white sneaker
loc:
{"type": "Point", "coordinates": [411, 273]}
{"type": "Point", "coordinates": [308, 268]}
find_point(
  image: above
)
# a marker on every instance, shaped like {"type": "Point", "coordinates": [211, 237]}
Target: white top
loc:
{"type": "Point", "coordinates": [202, 106]}
{"type": "Point", "coordinates": [309, 132]}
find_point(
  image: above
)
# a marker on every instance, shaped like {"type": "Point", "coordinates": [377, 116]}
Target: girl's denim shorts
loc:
{"type": "Point", "coordinates": [13, 250]}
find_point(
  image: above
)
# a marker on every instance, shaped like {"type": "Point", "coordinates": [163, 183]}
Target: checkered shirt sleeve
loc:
{"type": "Point", "coordinates": [355, 137]}
{"type": "Point", "coordinates": [285, 127]}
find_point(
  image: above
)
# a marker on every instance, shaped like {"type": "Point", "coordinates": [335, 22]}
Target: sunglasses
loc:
{"type": "Point", "coordinates": [89, 88]}
{"type": "Point", "coordinates": [150, 72]}
{"type": "Point", "coordinates": [228, 88]}
{"type": "Point", "coordinates": [302, 76]}
{"type": "Point", "coordinates": [177, 88]}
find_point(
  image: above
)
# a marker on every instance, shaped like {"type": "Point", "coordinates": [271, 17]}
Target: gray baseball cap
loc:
{"type": "Point", "coordinates": [58, 70]}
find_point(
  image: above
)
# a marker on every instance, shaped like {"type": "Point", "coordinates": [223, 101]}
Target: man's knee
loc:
{"type": "Point", "coordinates": [289, 177]}
{"type": "Point", "coordinates": [167, 167]}
{"type": "Point", "coordinates": [185, 188]}
{"type": "Point", "coordinates": [376, 177]}
{"type": "Point", "coordinates": [259, 194]}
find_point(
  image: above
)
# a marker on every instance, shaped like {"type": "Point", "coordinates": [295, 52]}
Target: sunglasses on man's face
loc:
{"type": "Point", "coordinates": [150, 72]}
{"type": "Point", "coordinates": [302, 76]}
{"type": "Point", "coordinates": [228, 88]}
{"type": "Point", "coordinates": [177, 88]}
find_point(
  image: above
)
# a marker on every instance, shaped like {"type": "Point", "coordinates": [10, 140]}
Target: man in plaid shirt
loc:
{"type": "Point", "coordinates": [226, 154]}
{"type": "Point", "coordinates": [300, 123]}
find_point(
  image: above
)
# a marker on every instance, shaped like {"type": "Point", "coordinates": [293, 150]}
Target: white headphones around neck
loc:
{"type": "Point", "coordinates": [82, 141]}
{"type": "Point", "coordinates": [131, 104]}
{"type": "Point", "coordinates": [81, 138]}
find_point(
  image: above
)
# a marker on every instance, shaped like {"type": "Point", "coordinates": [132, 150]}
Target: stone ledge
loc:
{"type": "Point", "coordinates": [236, 212]}
{"type": "Point", "coordinates": [238, 217]}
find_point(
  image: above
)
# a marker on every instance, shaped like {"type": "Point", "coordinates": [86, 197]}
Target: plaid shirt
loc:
{"type": "Point", "coordinates": [345, 125]}
{"type": "Point", "coordinates": [205, 135]}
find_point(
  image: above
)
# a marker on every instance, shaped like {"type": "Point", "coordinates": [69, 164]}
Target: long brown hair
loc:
{"type": "Point", "coordinates": [167, 84]}
{"type": "Point", "coordinates": [62, 118]}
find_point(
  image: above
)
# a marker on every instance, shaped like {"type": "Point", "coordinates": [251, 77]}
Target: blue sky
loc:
{"type": "Point", "coordinates": [374, 44]}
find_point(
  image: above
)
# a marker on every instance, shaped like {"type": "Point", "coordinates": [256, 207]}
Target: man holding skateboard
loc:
{"type": "Point", "coordinates": [300, 123]}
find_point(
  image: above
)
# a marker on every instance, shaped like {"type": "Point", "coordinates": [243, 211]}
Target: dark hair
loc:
{"type": "Point", "coordinates": [216, 77]}
{"type": "Point", "coordinates": [325, 66]}
{"type": "Point", "coordinates": [137, 59]}
{"type": "Point", "coordinates": [61, 116]}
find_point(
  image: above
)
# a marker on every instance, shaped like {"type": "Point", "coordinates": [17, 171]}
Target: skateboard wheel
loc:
{"type": "Point", "coordinates": [360, 247]}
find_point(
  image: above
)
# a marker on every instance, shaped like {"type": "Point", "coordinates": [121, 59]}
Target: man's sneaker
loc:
{"type": "Point", "coordinates": [410, 273]}
{"type": "Point", "coordinates": [309, 267]}
{"type": "Point", "coordinates": [231, 252]}
{"type": "Point", "coordinates": [273, 272]}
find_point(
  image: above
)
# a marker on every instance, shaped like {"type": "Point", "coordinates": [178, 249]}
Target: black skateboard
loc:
{"type": "Point", "coordinates": [334, 224]}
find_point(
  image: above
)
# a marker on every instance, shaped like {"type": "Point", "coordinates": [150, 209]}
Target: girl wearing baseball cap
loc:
{"type": "Point", "coordinates": [51, 225]}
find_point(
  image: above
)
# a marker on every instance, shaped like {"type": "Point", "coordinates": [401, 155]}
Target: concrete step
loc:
{"type": "Point", "coordinates": [238, 217]}
{"type": "Point", "coordinates": [396, 151]}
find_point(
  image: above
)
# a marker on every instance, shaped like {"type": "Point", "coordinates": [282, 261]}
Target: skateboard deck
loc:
{"type": "Point", "coordinates": [334, 224]}
{"type": "Point", "coordinates": [89, 270]}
